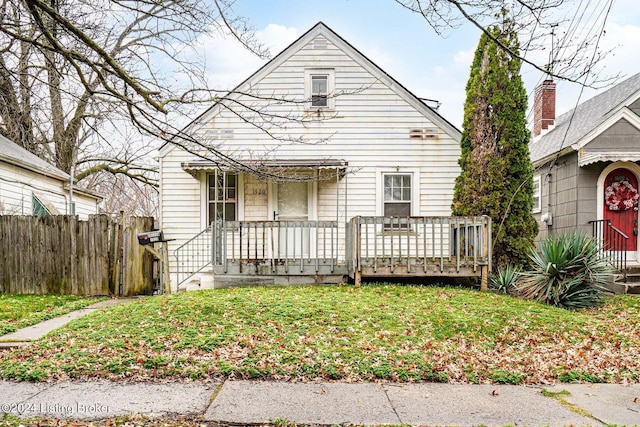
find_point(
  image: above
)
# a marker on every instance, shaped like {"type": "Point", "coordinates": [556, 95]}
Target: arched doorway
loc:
{"type": "Point", "coordinates": [621, 204]}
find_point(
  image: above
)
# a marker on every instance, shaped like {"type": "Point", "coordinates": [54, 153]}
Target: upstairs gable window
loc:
{"type": "Point", "coordinates": [319, 91]}
{"type": "Point", "coordinates": [319, 87]}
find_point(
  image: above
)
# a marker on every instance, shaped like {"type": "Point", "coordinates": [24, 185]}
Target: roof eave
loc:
{"type": "Point", "coordinates": [62, 176]}
{"type": "Point", "coordinates": [549, 157]}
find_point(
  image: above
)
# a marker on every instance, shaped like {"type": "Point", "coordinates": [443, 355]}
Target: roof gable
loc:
{"type": "Point", "coordinates": [577, 127]}
{"type": "Point", "coordinates": [321, 34]}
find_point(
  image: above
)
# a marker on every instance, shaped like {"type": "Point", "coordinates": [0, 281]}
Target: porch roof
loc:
{"type": "Point", "coordinates": [266, 165]}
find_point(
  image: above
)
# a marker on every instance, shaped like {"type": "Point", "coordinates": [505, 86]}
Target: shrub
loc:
{"type": "Point", "coordinates": [570, 271]}
{"type": "Point", "coordinates": [504, 280]}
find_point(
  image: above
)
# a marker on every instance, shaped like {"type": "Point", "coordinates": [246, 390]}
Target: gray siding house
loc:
{"type": "Point", "coordinates": [587, 166]}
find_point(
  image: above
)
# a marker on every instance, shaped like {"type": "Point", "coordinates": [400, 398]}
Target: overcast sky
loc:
{"type": "Point", "coordinates": [406, 47]}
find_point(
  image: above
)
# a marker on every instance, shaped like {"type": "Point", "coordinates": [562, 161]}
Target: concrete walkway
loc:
{"type": "Point", "coordinates": [249, 402]}
{"type": "Point", "coordinates": [24, 336]}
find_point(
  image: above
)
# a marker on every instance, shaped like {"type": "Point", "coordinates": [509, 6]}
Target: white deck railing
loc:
{"type": "Point", "coordinates": [419, 245]}
{"type": "Point", "coordinates": [366, 246]}
{"type": "Point", "coordinates": [294, 247]}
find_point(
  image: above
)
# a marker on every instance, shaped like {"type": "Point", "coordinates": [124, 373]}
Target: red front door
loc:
{"type": "Point", "coordinates": [620, 204]}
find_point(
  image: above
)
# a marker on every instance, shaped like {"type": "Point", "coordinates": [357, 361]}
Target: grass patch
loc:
{"type": "Point", "coordinates": [560, 396]}
{"type": "Point", "coordinates": [371, 333]}
{"type": "Point", "coordinates": [20, 311]}
{"type": "Point", "coordinates": [125, 421]}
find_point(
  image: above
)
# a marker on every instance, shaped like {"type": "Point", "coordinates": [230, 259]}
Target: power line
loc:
{"type": "Point", "coordinates": [573, 112]}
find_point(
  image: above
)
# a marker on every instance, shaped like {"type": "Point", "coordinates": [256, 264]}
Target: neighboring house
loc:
{"type": "Point", "coordinates": [587, 166]}
{"type": "Point", "coordinates": [336, 138]}
{"type": "Point", "coordinates": [31, 186]}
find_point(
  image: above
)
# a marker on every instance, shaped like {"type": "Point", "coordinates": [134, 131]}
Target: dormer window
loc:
{"type": "Point", "coordinates": [319, 89]}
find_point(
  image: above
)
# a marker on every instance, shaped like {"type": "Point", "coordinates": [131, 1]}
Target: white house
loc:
{"type": "Point", "coordinates": [31, 186]}
{"type": "Point", "coordinates": [317, 136]}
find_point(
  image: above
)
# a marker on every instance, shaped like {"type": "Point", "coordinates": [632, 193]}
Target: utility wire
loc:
{"type": "Point", "coordinates": [573, 112]}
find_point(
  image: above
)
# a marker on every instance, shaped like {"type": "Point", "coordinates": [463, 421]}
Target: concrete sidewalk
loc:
{"type": "Point", "coordinates": [259, 402]}
{"type": "Point", "coordinates": [24, 336]}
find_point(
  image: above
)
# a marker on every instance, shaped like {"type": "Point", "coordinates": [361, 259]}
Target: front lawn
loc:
{"type": "Point", "coordinates": [398, 333]}
{"type": "Point", "coordinates": [20, 311]}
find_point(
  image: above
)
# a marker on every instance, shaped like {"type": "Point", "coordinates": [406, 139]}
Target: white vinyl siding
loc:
{"type": "Point", "coordinates": [369, 128]}
{"type": "Point", "coordinates": [19, 185]}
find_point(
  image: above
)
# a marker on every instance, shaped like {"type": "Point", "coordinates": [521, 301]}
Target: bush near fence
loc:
{"type": "Point", "coordinates": [64, 255]}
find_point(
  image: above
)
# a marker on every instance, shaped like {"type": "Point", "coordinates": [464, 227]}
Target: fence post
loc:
{"type": "Point", "coordinates": [138, 262]}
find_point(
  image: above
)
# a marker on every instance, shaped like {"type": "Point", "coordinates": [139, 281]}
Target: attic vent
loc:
{"type": "Point", "coordinates": [213, 134]}
{"type": "Point", "coordinates": [425, 133]}
{"type": "Point", "coordinates": [320, 43]}
{"type": "Point", "coordinates": [226, 133]}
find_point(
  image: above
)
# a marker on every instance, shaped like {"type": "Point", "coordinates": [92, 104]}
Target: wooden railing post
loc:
{"type": "Point", "coordinates": [357, 275]}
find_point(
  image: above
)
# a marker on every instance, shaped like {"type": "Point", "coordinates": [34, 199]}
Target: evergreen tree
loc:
{"type": "Point", "coordinates": [497, 174]}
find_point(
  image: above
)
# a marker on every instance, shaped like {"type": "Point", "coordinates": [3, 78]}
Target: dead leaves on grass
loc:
{"type": "Point", "coordinates": [390, 340]}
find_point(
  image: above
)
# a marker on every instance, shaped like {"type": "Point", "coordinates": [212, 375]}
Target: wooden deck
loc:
{"type": "Point", "coordinates": [366, 247]}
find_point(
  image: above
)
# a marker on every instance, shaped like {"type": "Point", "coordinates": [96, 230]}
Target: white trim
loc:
{"type": "Point", "coordinates": [415, 187]}
{"type": "Point", "coordinates": [203, 178]}
{"type": "Point", "coordinates": [633, 168]}
{"type": "Point", "coordinates": [537, 208]}
{"type": "Point", "coordinates": [330, 73]}
{"type": "Point", "coordinates": [623, 113]}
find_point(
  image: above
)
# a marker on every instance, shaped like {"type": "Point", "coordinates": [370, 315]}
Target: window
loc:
{"type": "Point", "coordinates": [319, 91]}
{"type": "Point", "coordinates": [319, 87]}
{"type": "Point", "coordinates": [222, 195]}
{"type": "Point", "coordinates": [39, 209]}
{"type": "Point", "coordinates": [397, 195]}
{"type": "Point", "coordinates": [537, 191]}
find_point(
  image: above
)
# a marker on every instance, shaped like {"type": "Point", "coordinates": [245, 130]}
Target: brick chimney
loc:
{"type": "Point", "coordinates": [544, 107]}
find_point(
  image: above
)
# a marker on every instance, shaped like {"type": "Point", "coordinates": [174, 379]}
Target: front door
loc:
{"type": "Point", "coordinates": [292, 210]}
{"type": "Point", "coordinates": [621, 204]}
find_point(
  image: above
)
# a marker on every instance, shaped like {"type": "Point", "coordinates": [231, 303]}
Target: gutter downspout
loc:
{"type": "Point", "coordinates": [72, 210]}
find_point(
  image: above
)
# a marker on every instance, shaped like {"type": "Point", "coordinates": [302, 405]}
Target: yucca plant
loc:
{"type": "Point", "coordinates": [570, 271]}
{"type": "Point", "coordinates": [504, 280]}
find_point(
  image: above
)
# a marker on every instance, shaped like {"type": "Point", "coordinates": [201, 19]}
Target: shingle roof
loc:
{"type": "Point", "coordinates": [12, 153]}
{"type": "Point", "coordinates": [588, 116]}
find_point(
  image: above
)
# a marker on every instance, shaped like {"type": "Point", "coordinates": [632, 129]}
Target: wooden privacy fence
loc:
{"type": "Point", "coordinates": [62, 254]}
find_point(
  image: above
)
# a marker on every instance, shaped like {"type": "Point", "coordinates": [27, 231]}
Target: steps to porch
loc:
{"type": "Point", "coordinates": [628, 283]}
